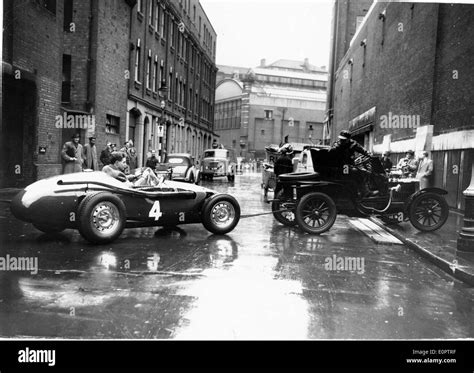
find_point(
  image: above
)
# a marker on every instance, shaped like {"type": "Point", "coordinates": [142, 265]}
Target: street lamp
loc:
{"type": "Point", "coordinates": [162, 93]}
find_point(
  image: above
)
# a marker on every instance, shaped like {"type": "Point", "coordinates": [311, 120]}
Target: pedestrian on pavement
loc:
{"type": "Point", "coordinates": [132, 154]}
{"type": "Point", "coordinates": [90, 155]}
{"type": "Point", "coordinates": [152, 161]}
{"type": "Point", "coordinates": [105, 154]}
{"type": "Point", "coordinates": [72, 155]}
{"type": "Point", "coordinates": [425, 171]}
{"type": "Point", "coordinates": [386, 162]}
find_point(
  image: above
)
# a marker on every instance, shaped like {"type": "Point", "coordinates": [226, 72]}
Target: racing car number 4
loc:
{"type": "Point", "coordinates": [155, 211]}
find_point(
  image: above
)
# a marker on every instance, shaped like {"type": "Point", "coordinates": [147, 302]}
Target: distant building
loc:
{"type": "Point", "coordinates": [261, 106]}
{"type": "Point", "coordinates": [405, 82]}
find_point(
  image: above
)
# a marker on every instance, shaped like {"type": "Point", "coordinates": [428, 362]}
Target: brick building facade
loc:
{"type": "Point", "coordinates": [173, 45]}
{"type": "Point", "coordinates": [406, 81]}
{"type": "Point", "coordinates": [77, 59]}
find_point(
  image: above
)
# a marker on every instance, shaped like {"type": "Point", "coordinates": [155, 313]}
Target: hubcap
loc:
{"type": "Point", "coordinates": [105, 217]}
{"type": "Point", "coordinates": [223, 214]}
{"type": "Point", "coordinates": [316, 212]}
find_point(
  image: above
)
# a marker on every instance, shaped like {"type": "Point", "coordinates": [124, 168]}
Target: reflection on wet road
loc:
{"type": "Point", "coordinates": [261, 281]}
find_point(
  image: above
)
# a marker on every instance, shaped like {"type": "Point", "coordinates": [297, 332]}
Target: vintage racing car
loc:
{"type": "Point", "coordinates": [100, 207]}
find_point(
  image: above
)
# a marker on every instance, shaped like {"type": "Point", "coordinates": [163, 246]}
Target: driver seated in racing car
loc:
{"type": "Point", "coordinates": [346, 148]}
{"type": "Point", "coordinates": [117, 166]}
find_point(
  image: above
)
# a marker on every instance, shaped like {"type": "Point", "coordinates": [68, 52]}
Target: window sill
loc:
{"type": "Point", "coordinates": [138, 85]}
{"type": "Point", "coordinates": [140, 16]}
{"type": "Point", "coordinates": [157, 36]}
{"type": "Point", "coordinates": [151, 28]}
{"type": "Point", "coordinates": [148, 91]}
{"type": "Point", "coordinates": [155, 94]}
{"type": "Point", "coordinates": [163, 41]}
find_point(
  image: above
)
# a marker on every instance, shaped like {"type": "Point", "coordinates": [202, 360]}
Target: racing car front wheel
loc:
{"type": "Point", "coordinates": [281, 213]}
{"type": "Point", "coordinates": [101, 217]}
{"type": "Point", "coordinates": [316, 213]}
{"type": "Point", "coordinates": [220, 214]}
{"type": "Point", "coordinates": [428, 211]}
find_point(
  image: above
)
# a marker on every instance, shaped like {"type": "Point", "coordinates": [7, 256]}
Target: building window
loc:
{"type": "Point", "coordinates": [68, 8]}
{"type": "Point", "coordinates": [194, 13]}
{"type": "Point", "coordinates": [155, 75]}
{"type": "Point", "coordinates": [200, 25]}
{"type": "Point", "coordinates": [148, 70]}
{"type": "Point", "coordinates": [171, 33]}
{"type": "Point", "coordinates": [49, 5]}
{"type": "Point", "coordinates": [162, 22]}
{"type": "Point", "coordinates": [170, 85]}
{"type": "Point", "coordinates": [162, 71]}
{"type": "Point", "coordinates": [176, 93]}
{"type": "Point", "coordinates": [137, 61]}
{"type": "Point", "coordinates": [139, 6]}
{"type": "Point", "coordinates": [66, 83]}
{"type": "Point", "coordinates": [268, 114]}
{"type": "Point", "coordinates": [157, 15]}
{"type": "Point", "coordinates": [150, 12]}
{"type": "Point", "coordinates": [112, 124]}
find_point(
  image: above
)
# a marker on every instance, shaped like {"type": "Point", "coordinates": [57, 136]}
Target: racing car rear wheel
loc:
{"type": "Point", "coordinates": [101, 217]}
{"type": "Point", "coordinates": [428, 212]}
{"type": "Point", "coordinates": [220, 214]}
{"type": "Point", "coordinates": [316, 213]}
{"type": "Point", "coordinates": [284, 217]}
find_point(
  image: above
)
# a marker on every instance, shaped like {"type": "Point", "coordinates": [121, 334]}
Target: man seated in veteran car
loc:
{"type": "Point", "coordinates": [345, 148]}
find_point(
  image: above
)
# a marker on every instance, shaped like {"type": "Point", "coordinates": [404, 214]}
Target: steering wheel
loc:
{"type": "Point", "coordinates": [362, 160]}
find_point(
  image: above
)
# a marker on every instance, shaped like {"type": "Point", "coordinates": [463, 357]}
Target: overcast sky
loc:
{"type": "Point", "coordinates": [248, 31]}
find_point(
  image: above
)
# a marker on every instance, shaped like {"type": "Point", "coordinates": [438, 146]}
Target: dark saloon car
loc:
{"type": "Point", "coordinates": [182, 167]}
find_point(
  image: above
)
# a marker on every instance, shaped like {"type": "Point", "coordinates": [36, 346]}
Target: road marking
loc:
{"type": "Point", "coordinates": [372, 230]}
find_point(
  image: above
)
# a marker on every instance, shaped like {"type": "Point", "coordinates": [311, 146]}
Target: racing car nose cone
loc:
{"type": "Point", "coordinates": [18, 209]}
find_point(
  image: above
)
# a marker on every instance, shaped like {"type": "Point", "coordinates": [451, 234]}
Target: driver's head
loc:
{"type": "Point", "coordinates": [118, 160]}
{"type": "Point", "coordinates": [344, 137]}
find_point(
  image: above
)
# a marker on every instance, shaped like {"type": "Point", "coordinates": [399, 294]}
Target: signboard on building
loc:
{"type": "Point", "coordinates": [362, 123]}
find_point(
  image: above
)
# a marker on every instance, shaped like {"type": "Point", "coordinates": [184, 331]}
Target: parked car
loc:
{"type": "Point", "coordinates": [182, 167]}
{"type": "Point", "coordinates": [100, 207]}
{"type": "Point", "coordinates": [218, 163]}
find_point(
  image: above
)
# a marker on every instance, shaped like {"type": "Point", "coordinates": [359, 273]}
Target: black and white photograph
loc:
{"type": "Point", "coordinates": [236, 170]}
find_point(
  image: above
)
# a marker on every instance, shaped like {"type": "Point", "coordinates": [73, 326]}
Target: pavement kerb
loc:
{"type": "Point", "coordinates": [458, 273]}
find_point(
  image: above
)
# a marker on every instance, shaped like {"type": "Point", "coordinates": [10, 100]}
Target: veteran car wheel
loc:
{"type": "Point", "coordinates": [284, 217]}
{"type": "Point", "coordinates": [220, 214]}
{"type": "Point", "coordinates": [428, 212]}
{"type": "Point", "coordinates": [47, 229]}
{"type": "Point", "coordinates": [316, 213]}
{"type": "Point", "coordinates": [101, 217]}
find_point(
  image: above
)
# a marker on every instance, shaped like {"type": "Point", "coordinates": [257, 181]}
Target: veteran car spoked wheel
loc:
{"type": "Point", "coordinates": [220, 214]}
{"type": "Point", "coordinates": [428, 212]}
{"type": "Point", "coordinates": [101, 217]}
{"type": "Point", "coordinates": [284, 217]}
{"type": "Point", "coordinates": [316, 213]}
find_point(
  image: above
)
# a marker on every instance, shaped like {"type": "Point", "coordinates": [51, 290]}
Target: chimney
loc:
{"type": "Point", "coordinates": [306, 62]}
{"type": "Point", "coordinates": [263, 62]}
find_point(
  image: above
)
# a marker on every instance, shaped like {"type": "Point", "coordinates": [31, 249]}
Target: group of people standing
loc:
{"type": "Point", "coordinates": [77, 158]}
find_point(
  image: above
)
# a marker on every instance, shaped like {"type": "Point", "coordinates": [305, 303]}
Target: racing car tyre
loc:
{"type": "Point", "coordinates": [285, 218]}
{"type": "Point", "coordinates": [316, 213]}
{"type": "Point", "coordinates": [101, 217]}
{"type": "Point", "coordinates": [46, 229]}
{"type": "Point", "coordinates": [428, 212]}
{"type": "Point", "coordinates": [220, 214]}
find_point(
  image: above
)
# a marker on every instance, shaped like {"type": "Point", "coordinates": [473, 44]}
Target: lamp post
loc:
{"type": "Point", "coordinates": [283, 111]}
{"type": "Point", "coordinates": [310, 133]}
{"type": "Point", "coordinates": [162, 92]}
{"type": "Point", "coordinates": [466, 235]}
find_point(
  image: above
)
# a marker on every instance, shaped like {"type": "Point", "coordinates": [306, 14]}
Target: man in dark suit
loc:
{"type": "Point", "coordinates": [72, 155]}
